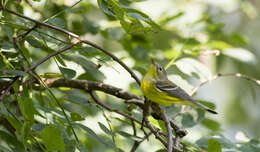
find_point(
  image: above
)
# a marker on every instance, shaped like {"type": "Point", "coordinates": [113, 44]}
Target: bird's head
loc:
{"type": "Point", "coordinates": [157, 71]}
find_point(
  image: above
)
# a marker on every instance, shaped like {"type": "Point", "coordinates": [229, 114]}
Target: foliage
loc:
{"type": "Point", "coordinates": [38, 115]}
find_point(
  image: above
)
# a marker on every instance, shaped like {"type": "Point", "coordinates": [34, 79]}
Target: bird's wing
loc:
{"type": "Point", "coordinates": [173, 90]}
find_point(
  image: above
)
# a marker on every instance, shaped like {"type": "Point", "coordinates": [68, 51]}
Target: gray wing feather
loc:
{"type": "Point", "coordinates": [175, 91]}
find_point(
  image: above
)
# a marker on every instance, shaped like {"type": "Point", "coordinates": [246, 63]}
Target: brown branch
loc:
{"type": "Point", "coordinates": [155, 131]}
{"type": "Point", "coordinates": [98, 86]}
{"type": "Point", "coordinates": [92, 85]}
{"type": "Point", "coordinates": [137, 143]}
{"type": "Point", "coordinates": [23, 35]}
{"type": "Point", "coordinates": [238, 75]}
{"type": "Point", "coordinates": [78, 37]}
{"type": "Point", "coordinates": [169, 129]}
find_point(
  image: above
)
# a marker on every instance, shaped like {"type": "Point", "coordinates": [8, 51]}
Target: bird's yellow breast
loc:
{"type": "Point", "coordinates": [152, 93]}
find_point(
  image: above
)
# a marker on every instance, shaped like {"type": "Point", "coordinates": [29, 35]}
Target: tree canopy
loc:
{"type": "Point", "coordinates": [70, 75]}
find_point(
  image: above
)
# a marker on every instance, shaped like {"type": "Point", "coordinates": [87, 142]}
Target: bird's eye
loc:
{"type": "Point", "coordinates": [160, 69]}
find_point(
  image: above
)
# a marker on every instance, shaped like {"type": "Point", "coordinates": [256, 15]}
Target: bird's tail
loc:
{"type": "Point", "coordinates": [204, 107]}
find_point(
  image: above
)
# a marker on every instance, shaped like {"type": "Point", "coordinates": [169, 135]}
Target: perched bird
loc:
{"type": "Point", "coordinates": [158, 88]}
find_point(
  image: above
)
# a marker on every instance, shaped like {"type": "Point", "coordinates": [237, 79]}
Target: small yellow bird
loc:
{"type": "Point", "coordinates": [158, 88]}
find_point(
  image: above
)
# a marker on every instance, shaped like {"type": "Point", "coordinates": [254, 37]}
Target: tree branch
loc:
{"type": "Point", "coordinates": [169, 129]}
{"type": "Point", "coordinates": [219, 75]}
{"type": "Point", "coordinates": [78, 37]}
{"type": "Point", "coordinates": [137, 143]}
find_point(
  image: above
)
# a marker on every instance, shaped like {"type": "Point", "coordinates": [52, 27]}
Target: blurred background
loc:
{"type": "Point", "coordinates": [214, 36]}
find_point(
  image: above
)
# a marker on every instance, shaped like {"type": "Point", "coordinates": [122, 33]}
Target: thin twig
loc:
{"type": "Point", "coordinates": [51, 55]}
{"type": "Point", "coordinates": [148, 125]}
{"type": "Point", "coordinates": [132, 122]}
{"type": "Point", "coordinates": [6, 91]}
{"type": "Point", "coordinates": [23, 35]}
{"type": "Point", "coordinates": [137, 143]}
{"type": "Point", "coordinates": [155, 132]}
{"type": "Point", "coordinates": [78, 37]}
{"type": "Point", "coordinates": [238, 75]}
{"type": "Point", "coordinates": [169, 129]}
{"type": "Point", "coordinates": [111, 109]}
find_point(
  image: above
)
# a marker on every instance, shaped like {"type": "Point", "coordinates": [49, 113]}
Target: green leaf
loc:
{"type": "Point", "coordinates": [25, 132]}
{"type": "Point", "coordinates": [8, 31]}
{"type": "Point", "coordinates": [171, 18]}
{"type": "Point", "coordinates": [92, 73]}
{"type": "Point", "coordinates": [26, 105]}
{"type": "Point", "coordinates": [193, 68]}
{"type": "Point", "coordinates": [211, 124]}
{"type": "Point", "coordinates": [39, 44]}
{"type": "Point", "coordinates": [207, 103]}
{"type": "Point", "coordinates": [246, 148]}
{"type": "Point", "coordinates": [68, 73]}
{"type": "Point", "coordinates": [105, 129]}
{"type": "Point", "coordinates": [76, 117]}
{"type": "Point", "coordinates": [14, 122]}
{"type": "Point", "coordinates": [184, 84]}
{"type": "Point", "coordinates": [225, 143]}
{"type": "Point", "coordinates": [161, 150]}
{"type": "Point", "coordinates": [52, 138]}
{"type": "Point", "coordinates": [13, 143]}
{"type": "Point", "coordinates": [95, 136]}
{"type": "Point", "coordinates": [130, 19]}
{"type": "Point", "coordinates": [240, 54]}
{"type": "Point", "coordinates": [13, 72]}
{"type": "Point", "coordinates": [50, 75]}
{"type": "Point", "coordinates": [218, 45]}
{"type": "Point", "coordinates": [128, 136]}
{"type": "Point", "coordinates": [34, 42]}
{"type": "Point", "coordinates": [104, 7]}
{"type": "Point", "coordinates": [188, 120]}
{"type": "Point", "coordinates": [82, 148]}
{"type": "Point", "coordinates": [57, 22]}
{"type": "Point", "coordinates": [214, 146]}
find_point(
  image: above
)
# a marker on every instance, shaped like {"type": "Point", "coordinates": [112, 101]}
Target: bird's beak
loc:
{"type": "Point", "coordinates": [153, 62]}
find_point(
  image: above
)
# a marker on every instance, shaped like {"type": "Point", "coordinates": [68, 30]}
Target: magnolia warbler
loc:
{"type": "Point", "coordinates": [159, 89]}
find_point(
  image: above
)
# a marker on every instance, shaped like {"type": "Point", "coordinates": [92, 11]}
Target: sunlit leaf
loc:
{"type": "Point", "coordinates": [76, 117]}
{"type": "Point", "coordinates": [214, 146]}
{"type": "Point", "coordinates": [51, 75]}
{"type": "Point", "coordinates": [193, 68]}
{"type": "Point", "coordinates": [240, 54]}
{"type": "Point", "coordinates": [184, 84]}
